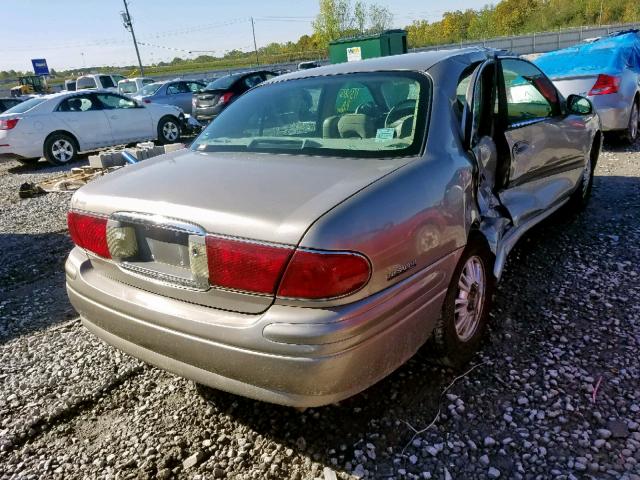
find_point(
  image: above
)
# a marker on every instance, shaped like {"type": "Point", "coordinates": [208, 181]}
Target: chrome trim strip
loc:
{"type": "Point", "coordinates": [159, 221]}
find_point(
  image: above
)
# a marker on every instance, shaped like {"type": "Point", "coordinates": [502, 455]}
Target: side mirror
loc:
{"type": "Point", "coordinates": [579, 105]}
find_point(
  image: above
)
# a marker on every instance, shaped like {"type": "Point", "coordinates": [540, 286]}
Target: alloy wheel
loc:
{"type": "Point", "coordinates": [62, 150]}
{"type": "Point", "coordinates": [170, 131]}
{"type": "Point", "coordinates": [469, 301]}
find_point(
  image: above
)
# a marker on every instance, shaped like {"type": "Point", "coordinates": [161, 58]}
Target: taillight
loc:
{"type": "Point", "coordinates": [315, 275]}
{"type": "Point", "coordinates": [8, 124]}
{"type": "Point", "coordinates": [605, 85]}
{"type": "Point", "coordinates": [247, 266]}
{"type": "Point", "coordinates": [89, 232]}
{"type": "Point", "coordinates": [225, 97]}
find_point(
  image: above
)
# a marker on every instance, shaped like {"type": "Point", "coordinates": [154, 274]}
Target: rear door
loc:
{"type": "Point", "coordinates": [129, 122]}
{"type": "Point", "coordinates": [179, 94]}
{"type": "Point", "coordinates": [543, 150]}
{"type": "Point", "coordinates": [83, 116]}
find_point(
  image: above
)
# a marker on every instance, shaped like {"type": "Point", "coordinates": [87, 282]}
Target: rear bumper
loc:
{"type": "Point", "coordinates": [295, 356]}
{"type": "Point", "coordinates": [613, 110]}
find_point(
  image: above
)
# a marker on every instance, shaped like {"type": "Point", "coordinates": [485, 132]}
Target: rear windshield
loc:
{"type": "Point", "coordinates": [223, 82]}
{"type": "Point", "coordinates": [150, 89]}
{"type": "Point", "coordinates": [374, 115]}
{"type": "Point", "coordinates": [26, 106]}
{"type": "Point", "coordinates": [85, 82]}
{"type": "Point", "coordinates": [127, 87]}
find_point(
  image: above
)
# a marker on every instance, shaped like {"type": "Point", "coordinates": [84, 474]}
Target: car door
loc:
{"type": "Point", "coordinates": [129, 121]}
{"type": "Point", "coordinates": [179, 94]}
{"type": "Point", "coordinates": [83, 116]}
{"type": "Point", "coordinates": [542, 150]}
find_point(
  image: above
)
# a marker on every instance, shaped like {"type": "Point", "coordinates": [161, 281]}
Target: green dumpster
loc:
{"type": "Point", "coordinates": [390, 42]}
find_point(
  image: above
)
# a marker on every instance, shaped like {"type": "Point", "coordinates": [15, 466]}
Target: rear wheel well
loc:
{"type": "Point", "coordinates": [63, 132]}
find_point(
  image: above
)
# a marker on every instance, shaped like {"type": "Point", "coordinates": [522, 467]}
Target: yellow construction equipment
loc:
{"type": "Point", "coordinates": [29, 85]}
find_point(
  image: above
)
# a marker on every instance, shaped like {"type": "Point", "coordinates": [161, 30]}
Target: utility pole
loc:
{"type": "Point", "coordinates": [128, 24]}
{"type": "Point", "coordinates": [255, 46]}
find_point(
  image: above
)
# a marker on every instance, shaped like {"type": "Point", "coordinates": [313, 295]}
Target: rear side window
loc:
{"type": "Point", "coordinates": [179, 87]}
{"type": "Point", "coordinates": [529, 94]}
{"type": "Point", "coordinates": [106, 81]}
{"type": "Point", "coordinates": [85, 82]}
{"type": "Point", "coordinates": [253, 80]}
{"type": "Point", "coordinates": [150, 89]}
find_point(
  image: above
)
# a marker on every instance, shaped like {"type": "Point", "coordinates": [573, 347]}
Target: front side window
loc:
{"type": "Point", "coordinates": [111, 102]}
{"type": "Point", "coordinates": [80, 103]}
{"type": "Point", "coordinates": [322, 116]}
{"type": "Point", "coordinates": [178, 87]}
{"type": "Point", "coordinates": [530, 95]}
{"type": "Point", "coordinates": [84, 83]}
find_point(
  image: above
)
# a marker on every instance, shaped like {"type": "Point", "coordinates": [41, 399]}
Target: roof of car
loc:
{"type": "Point", "coordinates": [419, 61]}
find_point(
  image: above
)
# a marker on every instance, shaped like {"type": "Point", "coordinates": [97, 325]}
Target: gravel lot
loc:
{"type": "Point", "coordinates": [555, 392]}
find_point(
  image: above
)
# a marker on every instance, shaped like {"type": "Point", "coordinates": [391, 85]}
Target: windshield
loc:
{"type": "Point", "coordinates": [25, 106]}
{"type": "Point", "coordinates": [150, 89]}
{"type": "Point", "coordinates": [127, 87]}
{"type": "Point", "coordinates": [375, 115]}
{"type": "Point", "coordinates": [223, 83]}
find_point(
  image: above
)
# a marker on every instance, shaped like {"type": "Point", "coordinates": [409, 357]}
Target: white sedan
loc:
{"type": "Point", "coordinates": [59, 126]}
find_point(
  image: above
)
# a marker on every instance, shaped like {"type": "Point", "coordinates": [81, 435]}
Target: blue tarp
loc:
{"type": "Point", "coordinates": [610, 55]}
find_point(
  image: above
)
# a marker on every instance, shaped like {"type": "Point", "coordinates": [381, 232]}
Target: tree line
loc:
{"type": "Point", "coordinates": [347, 18]}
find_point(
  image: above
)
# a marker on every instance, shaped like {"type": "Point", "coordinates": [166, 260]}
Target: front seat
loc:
{"type": "Point", "coordinates": [356, 125]}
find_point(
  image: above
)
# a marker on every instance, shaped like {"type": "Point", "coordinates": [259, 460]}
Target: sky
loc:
{"type": "Point", "coordinates": [84, 33]}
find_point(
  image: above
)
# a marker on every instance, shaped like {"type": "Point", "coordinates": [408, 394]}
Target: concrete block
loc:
{"type": "Point", "coordinates": [172, 147]}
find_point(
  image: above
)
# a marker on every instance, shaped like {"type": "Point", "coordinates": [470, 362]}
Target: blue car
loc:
{"type": "Point", "coordinates": [172, 92]}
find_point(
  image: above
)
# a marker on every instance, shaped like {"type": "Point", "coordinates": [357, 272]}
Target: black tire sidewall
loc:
{"type": "Point", "coordinates": [161, 124]}
{"type": "Point", "coordinates": [628, 135]}
{"type": "Point", "coordinates": [49, 143]}
{"type": "Point", "coordinates": [451, 349]}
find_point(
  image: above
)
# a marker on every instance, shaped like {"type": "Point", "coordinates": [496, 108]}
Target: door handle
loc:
{"type": "Point", "coordinates": [519, 148]}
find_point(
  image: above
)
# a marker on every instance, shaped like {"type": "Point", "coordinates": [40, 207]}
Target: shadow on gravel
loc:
{"type": "Point", "coordinates": [42, 166]}
{"type": "Point", "coordinates": [412, 394]}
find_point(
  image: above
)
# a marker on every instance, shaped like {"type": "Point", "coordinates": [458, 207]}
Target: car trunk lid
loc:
{"type": "Point", "coordinates": [208, 98]}
{"type": "Point", "coordinates": [577, 85]}
{"type": "Point", "coordinates": [172, 200]}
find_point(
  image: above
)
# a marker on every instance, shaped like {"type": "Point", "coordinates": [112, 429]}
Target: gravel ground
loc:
{"type": "Point", "coordinates": [554, 393]}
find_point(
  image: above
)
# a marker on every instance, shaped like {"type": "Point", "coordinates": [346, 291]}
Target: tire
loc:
{"type": "Point", "coordinates": [580, 198]}
{"type": "Point", "coordinates": [60, 148]}
{"type": "Point", "coordinates": [168, 130]}
{"type": "Point", "coordinates": [458, 334]}
{"type": "Point", "coordinates": [631, 133]}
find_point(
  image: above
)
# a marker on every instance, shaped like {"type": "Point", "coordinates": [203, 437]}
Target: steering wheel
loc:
{"type": "Point", "coordinates": [368, 108]}
{"type": "Point", "coordinates": [402, 109]}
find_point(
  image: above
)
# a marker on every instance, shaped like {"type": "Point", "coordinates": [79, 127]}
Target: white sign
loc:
{"type": "Point", "coordinates": [354, 54]}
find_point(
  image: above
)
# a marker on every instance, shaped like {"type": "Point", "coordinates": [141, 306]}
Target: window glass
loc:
{"type": "Point", "coordinates": [78, 104]}
{"type": "Point", "coordinates": [147, 81]}
{"type": "Point", "coordinates": [178, 87]}
{"type": "Point", "coordinates": [253, 80]}
{"type": "Point", "coordinates": [117, 78]}
{"type": "Point", "coordinates": [268, 75]}
{"type": "Point", "coordinates": [26, 105]}
{"type": "Point", "coordinates": [85, 82]}
{"type": "Point", "coordinates": [127, 87]}
{"type": "Point", "coordinates": [530, 95]}
{"type": "Point", "coordinates": [351, 96]}
{"type": "Point", "coordinates": [150, 89]}
{"type": "Point", "coordinates": [106, 81]}
{"type": "Point", "coordinates": [223, 83]}
{"type": "Point", "coordinates": [308, 116]}
{"type": "Point", "coordinates": [194, 86]}
{"type": "Point", "coordinates": [111, 102]}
